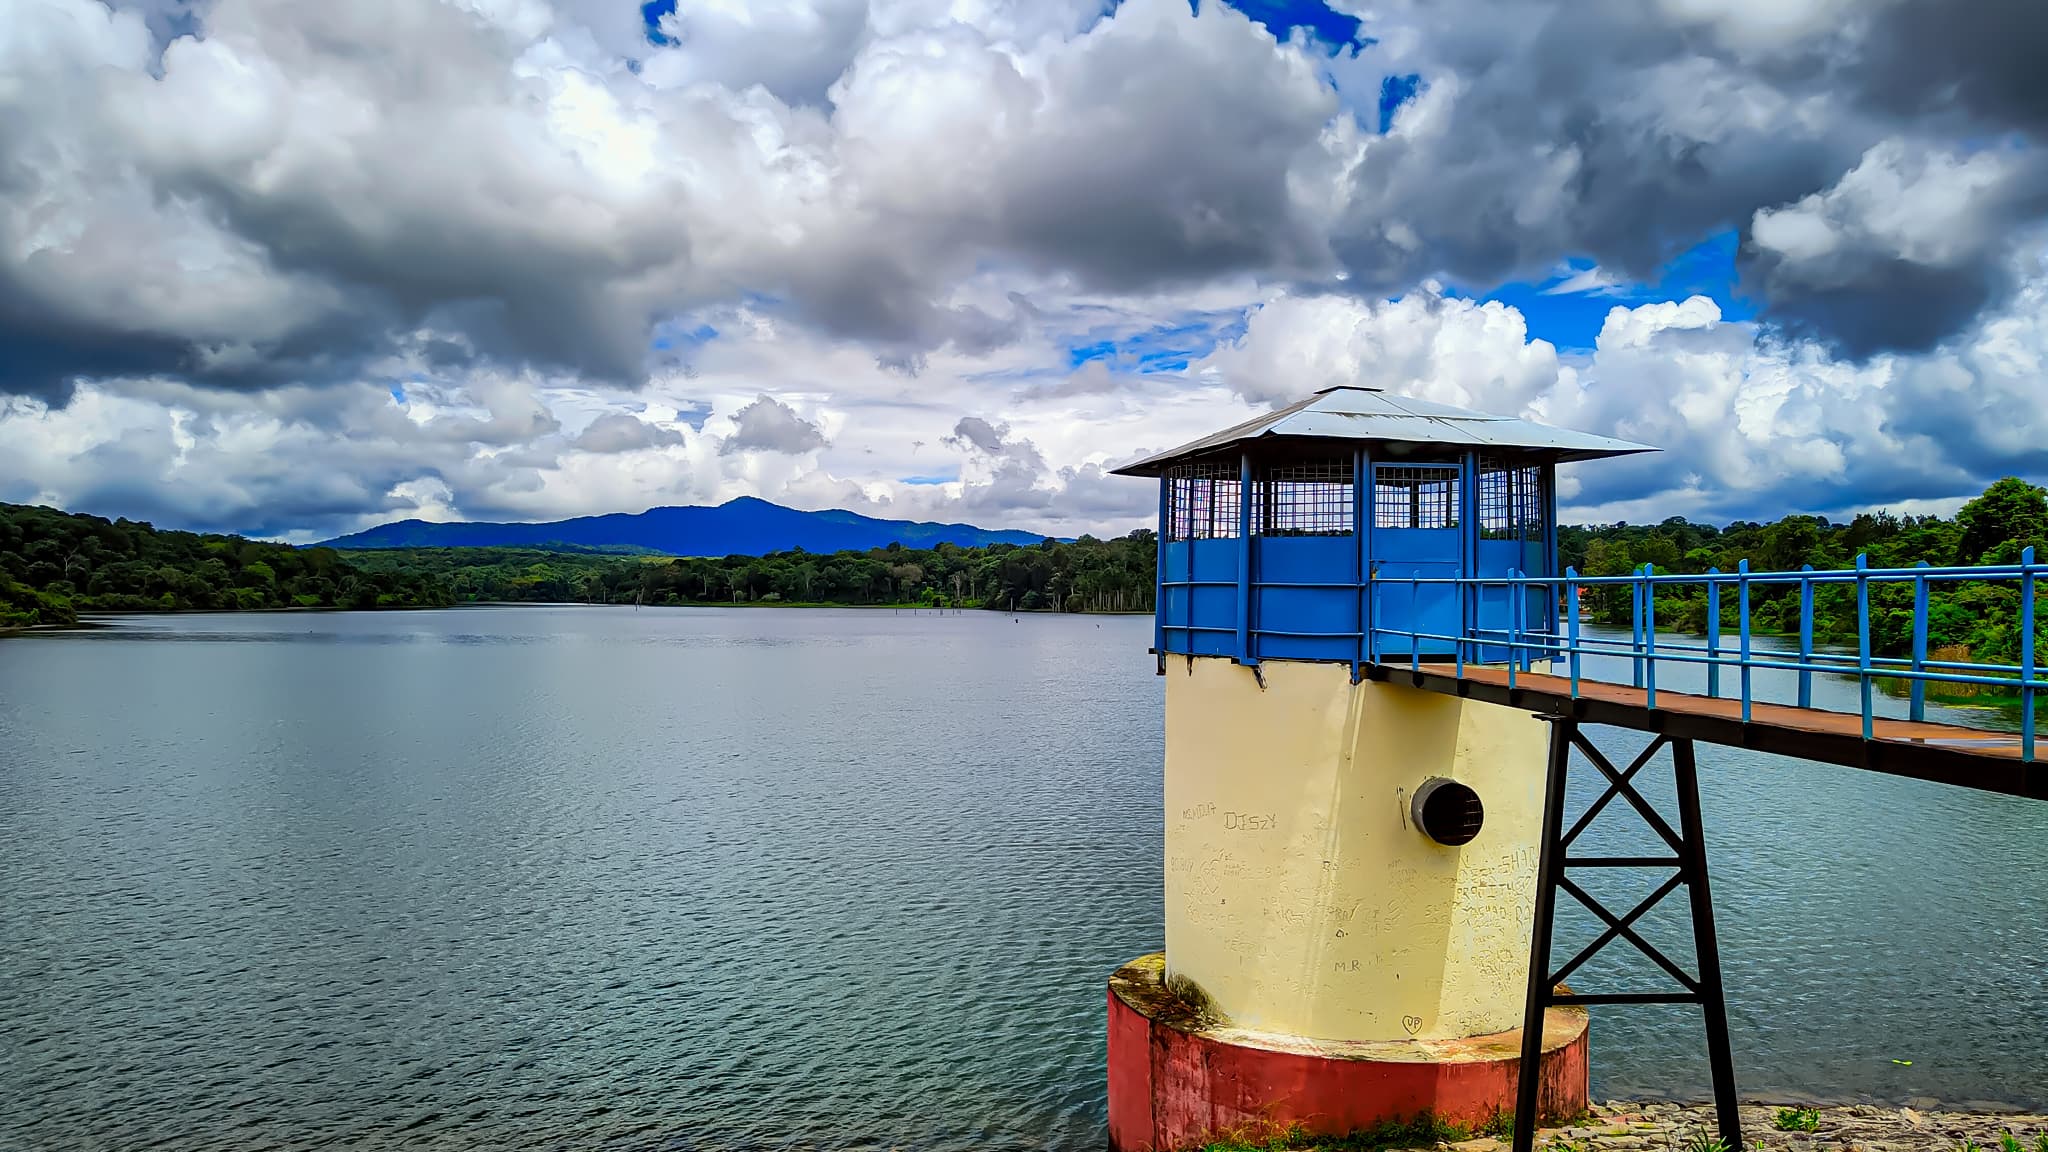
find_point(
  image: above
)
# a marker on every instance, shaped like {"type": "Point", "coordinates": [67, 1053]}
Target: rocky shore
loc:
{"type": "Point", "coordinates": [1622, 1126]}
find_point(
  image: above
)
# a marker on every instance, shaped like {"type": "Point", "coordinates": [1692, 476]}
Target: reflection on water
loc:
{"type": "Point", "coordinates": [682, 878]}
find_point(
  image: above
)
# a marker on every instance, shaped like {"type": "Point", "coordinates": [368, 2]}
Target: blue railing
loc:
{"type": "Point", "coordinates": [1559, 636]}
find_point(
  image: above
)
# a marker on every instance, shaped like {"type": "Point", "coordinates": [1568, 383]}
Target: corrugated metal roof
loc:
{"type": "Point", "coordinates": [1355, 413]}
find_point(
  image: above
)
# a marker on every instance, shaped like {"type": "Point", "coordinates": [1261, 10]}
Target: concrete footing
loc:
{"type": "Point", "coordinates": [1177, 1080]}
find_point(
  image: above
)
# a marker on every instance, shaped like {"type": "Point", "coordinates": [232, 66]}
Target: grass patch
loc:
{"type": "Point", "coordinates": [1797, 1120]}
{"type": "Point", "coordinates": [1422, 1132]}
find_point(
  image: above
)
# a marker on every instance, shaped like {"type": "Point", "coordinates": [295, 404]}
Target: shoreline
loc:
{"type": "Point", "coordinates": [1674, 1126]}
{"type": "Point", "coordinates": [98, 619]}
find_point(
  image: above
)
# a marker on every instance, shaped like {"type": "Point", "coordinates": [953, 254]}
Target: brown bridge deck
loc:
{"type": "Point", "coordinates": [1944, 753]}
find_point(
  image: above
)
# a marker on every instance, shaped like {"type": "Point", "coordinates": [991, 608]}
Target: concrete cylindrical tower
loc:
{"type": "Point", "coordinates": [1301, 898]}
{"type": "Point", "coordinates": [1350, 865]}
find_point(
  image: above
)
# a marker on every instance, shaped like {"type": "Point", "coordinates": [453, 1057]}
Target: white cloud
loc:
{"type": "Point", "coordinates": [796, 248]}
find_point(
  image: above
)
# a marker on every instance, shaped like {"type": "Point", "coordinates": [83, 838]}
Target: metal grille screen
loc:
{"type": "Point", "coordinates": [1202, 501]}
{"type": "Point", "coordinates": [1418, 496]}
{"type": "Point", "coordinates": [1308, 499]}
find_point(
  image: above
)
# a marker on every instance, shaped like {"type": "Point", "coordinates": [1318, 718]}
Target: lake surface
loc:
{"type": "Point", "coordinates": [703, 878]}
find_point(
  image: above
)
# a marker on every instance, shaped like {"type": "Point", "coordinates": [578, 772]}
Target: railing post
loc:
{"type": "Point", "coordinates": [1466, 622]}
{"type": "Point", "coordinates": [1863, 636]}
{"type": "Point", "coordinates": [1805, 637]}
{"type": "Point", "coordinates": [1415, 629]}
{"type": "Point", "coordinates": [1918, 690]}
{"type": "Point", "coordinates": [1650, 635]}
{"type": "Point", "coordinates": [1742, 610]}
{"type": "Point", "coordinates": [2027, 654]}
{"type": "Point", "coordinates": [1635, 613]}
{"type": "Point", "coordinates": [1713, 633]}
{"type": "Point", "coordinates": [1571, 607]}
{"type": "Point", "coordinates": [1514, 631]}
{"type": "Point", "coordinates": [1372, 613]}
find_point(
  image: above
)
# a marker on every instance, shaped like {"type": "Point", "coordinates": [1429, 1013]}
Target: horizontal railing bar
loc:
{"type": "Point", "coordinates": [1623, 862]}
{"type": "Point", "coordinates": [1628, 998]}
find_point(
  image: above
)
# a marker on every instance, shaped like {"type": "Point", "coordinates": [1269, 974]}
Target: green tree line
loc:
{"type": "Point", "coordinates": [1085, 575]}
{"type": "Point", "coordinates": [54, 565]}
{"type": "Point", "coordinates": [1980, 618]}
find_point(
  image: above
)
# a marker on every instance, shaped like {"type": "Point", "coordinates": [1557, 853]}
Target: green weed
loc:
{"type": "Point", "coordinates": [1797, 1120]}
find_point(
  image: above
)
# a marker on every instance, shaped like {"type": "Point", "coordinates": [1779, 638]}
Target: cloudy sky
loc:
{"type": "Point", "coordinates": [293, 269]}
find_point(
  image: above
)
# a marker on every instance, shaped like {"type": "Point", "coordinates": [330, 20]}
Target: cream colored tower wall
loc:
{"type": "Point", "coordinates": [1300, 898]}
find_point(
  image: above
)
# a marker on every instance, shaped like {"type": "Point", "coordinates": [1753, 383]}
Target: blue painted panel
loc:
{"type": "Point", "coordinates": [1430, 553]}
{"type": "Point", "coordinates": [1186, 612]}
{"type": "Point", "coordinates": [1284, 560]}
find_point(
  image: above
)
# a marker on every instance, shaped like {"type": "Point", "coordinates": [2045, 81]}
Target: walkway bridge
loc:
{"type": "Point", "coordinates": [1544, 629]}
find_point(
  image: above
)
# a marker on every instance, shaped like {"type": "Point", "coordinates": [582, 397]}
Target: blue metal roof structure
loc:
{"type": "Point", "coordinates": [1272, 533]}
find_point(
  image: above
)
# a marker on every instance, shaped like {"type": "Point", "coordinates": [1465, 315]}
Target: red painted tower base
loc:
{"type": "Point", "coordinates": [1176, 1082]}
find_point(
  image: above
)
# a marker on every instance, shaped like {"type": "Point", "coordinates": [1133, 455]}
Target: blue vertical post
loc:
{"type": "Point", "coordinates": [2027, 654]}
{"type": "Point", "coordinates": [1713, 632]}
{"type": "Point", "coordinates": [1159, 594]}
{"type": "Point", "coordinates": [1367, 513]}
{"type": "Point", "coordinates": [1548, 478]}
{"type": "Point", "coordinates": [1358, 558]}
{"type": "Point", "coordinates": [1244, 559]}
{"type": "Point", "coordinates": [1805, 637]}
{"type": "Point", "coordinates": [1742, 623]}
{"type": "Point", "coordinates": [1863, 637]}
{"type": "Point", "coordinates": [1918, 690]}
{"type": "Point", "coordinates": [1571, 638]}
{"type": "Point", "coordinates": [1468, 567]}
{"type": "Point", "coordinates": [1635, 615]}
{"type": "Point", "coordinates": [1650, 635]}
{"type": "Point", "coordinates": [1514, 628]}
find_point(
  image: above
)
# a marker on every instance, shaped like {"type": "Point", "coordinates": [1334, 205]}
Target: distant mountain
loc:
{"type": "Point", "coordinates": [742, 527]}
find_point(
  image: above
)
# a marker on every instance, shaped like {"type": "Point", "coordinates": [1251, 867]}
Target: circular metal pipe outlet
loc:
{"type": "Point", "coordinates": [1447, 812]}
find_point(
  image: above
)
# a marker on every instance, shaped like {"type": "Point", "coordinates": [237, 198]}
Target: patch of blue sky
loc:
{"type": "Point", "coordinates": [927, 480]}
{"type": "Point", "coordinates": [1569, 307]}
{"type": "Point", "coordinates": [1165, 348]}
{"type": "Point", "coordinates": [1335, 29]}
{"type": "Point", "coordinates": [652, 12]}
{"type": "Point", "coordinates": [1394, 92]}
{"type": "Point", "coordinates": [398, 393]}
{"type": "Point", "coordinates": [669, 338]}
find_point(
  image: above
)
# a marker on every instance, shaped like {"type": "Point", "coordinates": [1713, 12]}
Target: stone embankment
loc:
{"type": "Point", "coordinates": [1621, 1126]}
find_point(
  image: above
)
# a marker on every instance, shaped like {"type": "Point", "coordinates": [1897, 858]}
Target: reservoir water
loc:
{"type": "Point", "coordinates": [703, 878]}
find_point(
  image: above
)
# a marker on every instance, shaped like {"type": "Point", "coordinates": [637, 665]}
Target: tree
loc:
{"type": "Point", "coordinates": [2011, 515]}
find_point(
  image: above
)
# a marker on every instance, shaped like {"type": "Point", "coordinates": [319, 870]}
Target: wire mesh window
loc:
{"type": "Point", "coordinates": [1203, 500]}
{"type": "Point", "coordinates": [1510, 501]}
{"type": "Point", "coordinates": [1312, 498]}
{"type": "Point", "coordinates": [1416, 496]}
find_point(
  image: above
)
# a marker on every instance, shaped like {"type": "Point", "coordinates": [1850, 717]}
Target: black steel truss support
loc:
{"type": "Point", "coordinates": [1689, 864]}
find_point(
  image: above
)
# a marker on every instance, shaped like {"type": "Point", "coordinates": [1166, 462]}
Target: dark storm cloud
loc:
{"type": "Point", "coordinates": [1625, 132]}
{"type": "Point", "coordinates": [1978, 60]}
